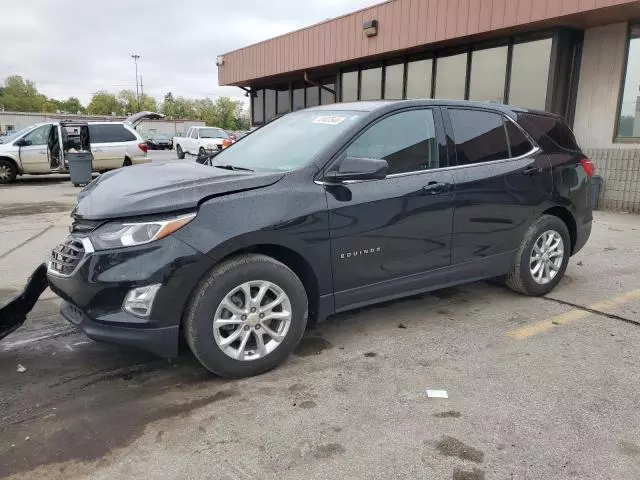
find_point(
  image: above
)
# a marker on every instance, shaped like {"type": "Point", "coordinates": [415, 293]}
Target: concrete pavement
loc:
{"type": "Point", "coordinates": [538, 388]}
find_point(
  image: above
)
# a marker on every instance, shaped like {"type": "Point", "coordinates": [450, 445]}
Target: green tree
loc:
{"type": "Point", "coordinates": [148, 103]}
{"type": "Point", "coordinates": [18, 94]}
{"type": "Point", "coordinates": [70, 105]}
{"type": "Point", "coordinates": [168, 107]}
{"type": "Point", "coordinates": [104, 103]}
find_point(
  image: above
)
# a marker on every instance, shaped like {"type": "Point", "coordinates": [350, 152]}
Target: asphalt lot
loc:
{"type": "Point", "coordinates": [543, 388]}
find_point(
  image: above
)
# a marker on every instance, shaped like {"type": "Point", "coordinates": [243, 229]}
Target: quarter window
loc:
{"type": "Point", "coordinates": [480, 136]}
{"type": "Point", "coordinates": [518, 142]}
{"type": "Point", "coordinates": [406, 140]}
{"type": "Point", "coordinates": [110, 133]}
{"type": "Point", "coordinates": [629, 121]}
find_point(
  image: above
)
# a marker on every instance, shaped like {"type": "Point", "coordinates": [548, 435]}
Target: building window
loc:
{"type": "Point", "coordinates": [298, 97]}
{"type": "Point", "coordinates": [283, 99]}
{"type": "Point", "coordinates": [313, 96]}
{"type": "Point", "coordinates": [419, 74]}
{"type": "Point", "coordinates": [350, 86]}
{"type": "Point", "coordinates": [257, 107]}
{"type": "Point", "coordinates": [393, 78]}
{"type": "Point", "coordinates": [530, 74]}
{"type": "Point", "coordinates": [629, 121]}
{"type": "Point", "coordinates": [269, 104]}
{"type": "Point", "coordinates": [371, 84]}
{"type": "Point", "coordinates": [488, 71]}
{"type": "Point", "coordinates": [326, 97]}
{"type": "Point", "coordinates": [451, 77]}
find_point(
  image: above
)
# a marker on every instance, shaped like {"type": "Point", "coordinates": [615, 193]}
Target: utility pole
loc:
{"type": "Point", "coordinates": [141, 92]}
{"type": "Point", "coordinates": [135, 59]}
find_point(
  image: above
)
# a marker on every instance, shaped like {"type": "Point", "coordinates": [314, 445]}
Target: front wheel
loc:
{"type": "Point", "coordinates": [542, 258]}
{"type": "Point", "coordinates": [246, 317]}
{"type": "Point", "coordinates": [179, 152]}
{"type": "Point", "coordinates": [8, 171]}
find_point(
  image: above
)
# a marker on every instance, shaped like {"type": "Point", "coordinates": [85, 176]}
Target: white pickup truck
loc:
{"type": "Point", "coordinates": [200, 141]}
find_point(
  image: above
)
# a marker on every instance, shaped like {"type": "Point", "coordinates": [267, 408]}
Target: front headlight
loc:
{"type": "Point", "coordinates": [210, 146]}
{"type": "Point", "coordinates": [126, 234]}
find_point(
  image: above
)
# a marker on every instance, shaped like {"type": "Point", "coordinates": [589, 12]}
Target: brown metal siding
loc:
{"type": "Point", "coordinates": [403, 24]}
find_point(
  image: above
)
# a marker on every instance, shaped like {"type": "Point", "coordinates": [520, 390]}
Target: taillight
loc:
{"type": "Point", "coordinates": [588, 166]}
{"type": "Point", "coordinates": [144, 147]}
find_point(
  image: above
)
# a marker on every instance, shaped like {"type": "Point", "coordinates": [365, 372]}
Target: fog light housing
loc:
{"type": "Point", "coordinates": [139, 300]}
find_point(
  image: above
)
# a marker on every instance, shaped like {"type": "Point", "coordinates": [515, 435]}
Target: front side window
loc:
{"type": "Point", "coordinates": [406, 140]}
{"type": "Point", "coordinates": [480, 136]}
{"type": "Point", "coordinates": [289, 142]}
{"type": "Point", "coordinates": [39, 136]}
{"type": "Point", "coordinates": [629, 121]}
{"type": "Point", "coordinates": [194, 133]}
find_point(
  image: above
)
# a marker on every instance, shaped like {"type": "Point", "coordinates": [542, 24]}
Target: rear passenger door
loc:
{"type": "Point", "coordinates": [109, 144]}
{"type": "Point", "coordinates": [502, 181]}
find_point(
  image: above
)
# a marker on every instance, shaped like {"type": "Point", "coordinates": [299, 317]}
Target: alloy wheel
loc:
{"type": "Point", "coordinates": [546, 257]}
{"type": "Point", "coordinates": [5, 173]}
{"type": "Point", "coordinates": [252, 320]}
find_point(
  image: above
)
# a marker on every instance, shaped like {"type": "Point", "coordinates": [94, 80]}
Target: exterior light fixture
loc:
{"type": "Point", "coordinates": [370, 28]}
{"type": "Point", "coordinates": [219, 61]}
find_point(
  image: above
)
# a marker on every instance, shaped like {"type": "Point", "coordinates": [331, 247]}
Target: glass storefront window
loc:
{"type": "Point", "coordinates": [283, 99]}
{"type": "Point", "coordinates": [269, 104]}
{"type": "Point", "coordinates": [349, 86]}
{"type": "Point", "coordinates": [326, 97]}
{"type": "Point", "coordinates": [257, 107]}
{"type": "Point", "coordinates": [313, 96]}
{"type": "Point", "coordinates": [419, 74]}
{"type": "Point", "coordinates": [298, 98]}
{"type": "Point", "coordinates": [451, 77]}
{"type": "Point", "coordinates": [488, 69]}
{"type": "Point", "coordinates": [371, 84]}
{"type": "Point", "coordinates": [530, 74]}
{"type": "Point", "coordinates": [393, 78]}
{"type": "Point", "coordinates": [629, 121]}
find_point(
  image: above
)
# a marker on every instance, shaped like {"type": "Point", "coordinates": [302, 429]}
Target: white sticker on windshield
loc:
{"type": "Point", "coordinates": [329, 120]}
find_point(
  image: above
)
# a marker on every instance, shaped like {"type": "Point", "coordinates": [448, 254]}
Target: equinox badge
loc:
{"type": "Point", "coordinates": [366, 251]}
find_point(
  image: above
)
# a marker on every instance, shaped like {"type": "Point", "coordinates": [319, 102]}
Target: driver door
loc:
{"type": "Point", "coordinates": [35, 155]}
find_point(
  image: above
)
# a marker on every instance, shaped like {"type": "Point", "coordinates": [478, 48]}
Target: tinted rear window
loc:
{"type": "Point", "coordinates": [480, 136]}
{"type": "Point", "coordinates": [555, 129]}
{"type": "Point", "coordinates": [110, 133]}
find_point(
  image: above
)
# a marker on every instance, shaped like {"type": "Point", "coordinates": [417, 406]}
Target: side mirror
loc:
{"type": "Point", "coordinates": [354, 168]}
{"type": "Point", "coordinates": [22, 143]}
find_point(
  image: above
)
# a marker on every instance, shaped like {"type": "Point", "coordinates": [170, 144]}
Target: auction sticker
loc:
{"type": "Point", "coordinates": [329, 120]}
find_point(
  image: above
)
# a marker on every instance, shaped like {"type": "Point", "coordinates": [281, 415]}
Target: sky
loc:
{"type": "Point", "coordinates": [77, 47]}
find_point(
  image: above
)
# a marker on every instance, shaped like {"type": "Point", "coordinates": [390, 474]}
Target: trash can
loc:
{"type": "Point", "coordinates": [80, 167]}
{"type": "Point", "coordinates": [596, 186]}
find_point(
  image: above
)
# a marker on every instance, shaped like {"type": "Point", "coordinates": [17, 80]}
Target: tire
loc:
{"type": "Point", "coordinates": [127, 162]}
{"type": "Point", "coordinates": [179, 152]}
{"type": "Point", "coordinates": [520, 278]}
{"type": "Point", "coordinates": [206, 306]}
{"type": "Point", "coordinates": [8, 172]}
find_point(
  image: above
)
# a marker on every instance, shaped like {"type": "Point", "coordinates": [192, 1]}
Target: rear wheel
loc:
{"type": "Point", "coordinates": [179, 152]}
{"type": "Point", "coordinates": [8, 171]}
{"type": "Point", "coordinates": [542, 258]}
{"type": "Point", "coordinates": [246, 317]}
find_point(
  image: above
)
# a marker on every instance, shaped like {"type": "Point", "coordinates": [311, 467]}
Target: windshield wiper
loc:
{"type": "Point", "coordinates": [233, 167]}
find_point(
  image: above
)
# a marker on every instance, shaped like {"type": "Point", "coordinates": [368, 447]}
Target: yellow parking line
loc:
{"type": "Point", "coordinates": [572, 315]}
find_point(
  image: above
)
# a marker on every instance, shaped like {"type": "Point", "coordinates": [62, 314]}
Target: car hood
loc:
{"type": "Point", "coordinates": [157, 188]}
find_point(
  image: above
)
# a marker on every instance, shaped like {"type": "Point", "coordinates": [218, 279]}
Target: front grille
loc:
{"type": "Point", "coordinates": [66, 256]}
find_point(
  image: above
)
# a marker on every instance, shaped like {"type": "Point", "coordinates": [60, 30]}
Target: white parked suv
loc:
{"type": "Point", "coordinates": [40, 148]}
{"type": "Point", "coordinates": [200, 141]}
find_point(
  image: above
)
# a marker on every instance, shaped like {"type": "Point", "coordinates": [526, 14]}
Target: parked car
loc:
{"type": "Point", "coordinates": [40, 148]}
{"type": "Point", "coordinates": [200, 141]}
{"type": "Point", "coordinates": [159, 141]}
{"type": "Point", "coordinates": [321, 211]}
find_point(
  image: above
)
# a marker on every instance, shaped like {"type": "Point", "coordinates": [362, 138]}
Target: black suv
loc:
{"type": "Point", "coordinates": [318, 212]}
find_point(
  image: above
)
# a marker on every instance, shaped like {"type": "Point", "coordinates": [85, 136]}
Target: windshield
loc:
{"type": "Point", "coordinates": [212, 133]}
{"type": "Point", "coordinates": [290, 141]}
{"type": "Point", "coordinates": [13, 135]}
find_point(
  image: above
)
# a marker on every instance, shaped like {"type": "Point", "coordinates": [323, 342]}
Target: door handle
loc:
{"type": "Point", "coordinates": [532, 170]}
{"type": "Point", "coordinates": [434, 188]}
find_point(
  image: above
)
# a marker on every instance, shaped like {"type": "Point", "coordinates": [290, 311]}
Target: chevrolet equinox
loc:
{"type": "Point", "coordinates": [318, 212]}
